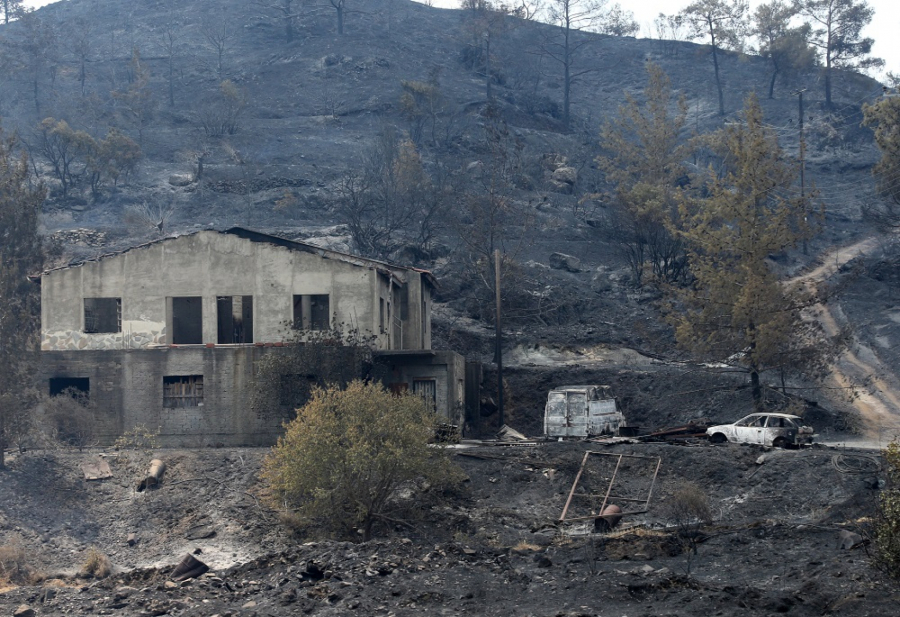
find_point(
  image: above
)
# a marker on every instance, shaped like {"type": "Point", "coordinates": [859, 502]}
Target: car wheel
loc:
{"type": "Point", "coordinates": [718, 438]}
{"type": "Point", "coordinates": [780, 442]}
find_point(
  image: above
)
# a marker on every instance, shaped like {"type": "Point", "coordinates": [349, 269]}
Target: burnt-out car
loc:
{"type": "Point", "coordinates": [780, 430]}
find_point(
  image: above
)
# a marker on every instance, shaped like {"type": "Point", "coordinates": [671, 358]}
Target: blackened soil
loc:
{"type": "Point", "coordinates": [495, 547]}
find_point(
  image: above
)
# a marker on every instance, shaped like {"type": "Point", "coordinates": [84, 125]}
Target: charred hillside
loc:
{"type": "Point", "coordinates": [226, 113]}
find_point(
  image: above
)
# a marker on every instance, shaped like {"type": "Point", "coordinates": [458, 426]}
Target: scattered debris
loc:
{"type": "Point", "coordinates": [692, 430]}
{"type": "Point", "coordinates": [632, 475]}
{"type": "Point", "coordinates": [157, 468]}
{"type": "Point", "coordinates": [200, 532]}
{"type": "Point", "coordinates": [189, 567]}
{"type": "Point", "coordinates": [608, 519]}
{"type": "Point", "coordinates": [507, 433]}
{"type": "Point", "coordinates": [96, 469]}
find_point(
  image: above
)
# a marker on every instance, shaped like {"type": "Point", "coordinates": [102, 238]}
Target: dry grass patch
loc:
{"type": "Point", "coordinates": [14, 567]}
{"type": "Point", "coordinates": [524, 547]}
{"type": "Point", "coordinates": [96, 565]}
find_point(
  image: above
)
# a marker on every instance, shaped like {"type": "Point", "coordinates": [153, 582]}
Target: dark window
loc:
{"type": "Point", "coordinates": [381, 315]}
{"type": "Point", "coordinates": [182, 391]}
{"type": "Point", "coordinates": [312, 312]}
{"type": "Point", "coordinates": [102, 315]}
{"type": "Point", "coordinates": [187, 321]}
{"type": "Point", "coordinates": [235, 319]}
{"type": "Point", "coordinates": [69, 385]}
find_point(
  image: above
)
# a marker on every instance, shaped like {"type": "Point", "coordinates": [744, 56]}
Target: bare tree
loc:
{"type": "Point", "coordinates": [389, 202]}
{"type": "Point", "coordinates": [81, 44]}
{"type": "Point", "coordinates": [152, 216]}
{"type": "Point", "coordinates": [339, 6]}
{"type": "Point", "coordinates": [490, 216]}
{"type": "Point", "coordinates": [565, 45]}
{"type": "Point", "coordinates": [171, 47]}
{"type": "Point", "coordinates": [669, 28]}
{"type": "Point", "coordinates": [136, 104]}
{"type": "Point", "coordinates": [37, 51]}
{"type": "Point", "coordinates": [722, 22]}
{"type": "Point", "coordinates": [219, 35]}
{"type": "Point", "coordinates": [285, 11]}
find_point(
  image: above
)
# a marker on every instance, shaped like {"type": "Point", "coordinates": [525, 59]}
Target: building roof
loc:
{"type": "Point", "coordinates": [255, 236]}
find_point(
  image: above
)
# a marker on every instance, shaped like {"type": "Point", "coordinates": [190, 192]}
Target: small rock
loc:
{"type": "Point", "coordinates": [565, 175]}
{"type": "Point", "coordinates": [24, 611]}
{"type": "Point", "coordinates": [170, 585]}
{"type": "Point", "coordinates": [600, 282]}
{"type": "Point", "coordinates": [561, 261]}
{"type": "Point", "coordinates": [132, 539]}
{"type": "Point", "coordinates": [850, 540]}
{"type": "Point", "coordinates": [181, 179]}
{"type": "Point", "coordinates": [542, 561]}
{"type": "Point", "coordinates": [553, 161]}
{"type": "Point", "coordinates": [250, 604]}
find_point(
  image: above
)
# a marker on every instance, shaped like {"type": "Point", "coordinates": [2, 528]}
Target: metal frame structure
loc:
{"type": "Point", "coordinates": [608, 496]}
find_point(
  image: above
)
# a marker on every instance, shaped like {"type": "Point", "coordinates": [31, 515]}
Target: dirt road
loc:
{"type": "Point", "coordinates": [874, 386]}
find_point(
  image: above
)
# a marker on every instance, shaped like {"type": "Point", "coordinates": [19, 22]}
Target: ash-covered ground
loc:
{"type": "Point", "coordinates": [494, 547]}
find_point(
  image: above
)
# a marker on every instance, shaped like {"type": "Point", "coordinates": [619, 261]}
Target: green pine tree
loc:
{"type": "Point", "coordinates": [737, 310]}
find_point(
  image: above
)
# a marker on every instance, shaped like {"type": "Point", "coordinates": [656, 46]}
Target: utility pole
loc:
{"type": "Point", "coordinates": [799, 94]}
{"type": "Point", "coordinates": [499, 337]}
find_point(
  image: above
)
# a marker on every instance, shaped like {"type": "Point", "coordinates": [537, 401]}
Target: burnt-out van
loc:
{"type": "Point", "coordinates": [582, 411]}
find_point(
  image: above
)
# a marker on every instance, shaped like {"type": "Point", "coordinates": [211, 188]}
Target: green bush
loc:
{"type": "Point", "coordinates": [347, 454]}
{"type": "Point", "coordinates": [887, 516]}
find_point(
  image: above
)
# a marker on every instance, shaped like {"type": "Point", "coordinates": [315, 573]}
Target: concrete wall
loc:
{"type": "Point", "coordinates": [210, 264]}
{"type": "Point", "coordinates": [447, 368]}
{"type": "Point", "coordinates": [127, 388]}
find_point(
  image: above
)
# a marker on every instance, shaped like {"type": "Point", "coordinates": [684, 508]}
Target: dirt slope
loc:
{"type": "Point", "coordinates": [873, 384]}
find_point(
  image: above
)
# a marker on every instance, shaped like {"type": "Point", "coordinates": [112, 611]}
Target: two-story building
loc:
{"type": "Point", "coordinates": [167, 334]}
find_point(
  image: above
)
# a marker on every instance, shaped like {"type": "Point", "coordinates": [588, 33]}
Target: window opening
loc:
{"type": "Point", "coordinates": [234, 319]}
{"type": "Point", "coordinates": [102, 315]}
{"type": "Point", "coordinates": [60, 385]}
{"type": "Point", "coordinates": [182, 391]}
{"type": "Point", "coordinates": [187, 321]}
{"type": "Point", "coordinates": [312, 312]}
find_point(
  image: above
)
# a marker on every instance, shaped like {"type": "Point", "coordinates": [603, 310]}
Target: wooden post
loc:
{"type": "Point", "coordinates": [499, 342]}
{"type": "Point", "coordinates": [799, 94]}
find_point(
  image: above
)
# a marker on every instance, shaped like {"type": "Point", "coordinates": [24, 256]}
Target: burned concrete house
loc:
{"type": "Point", "coordinates": [167, 334]}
